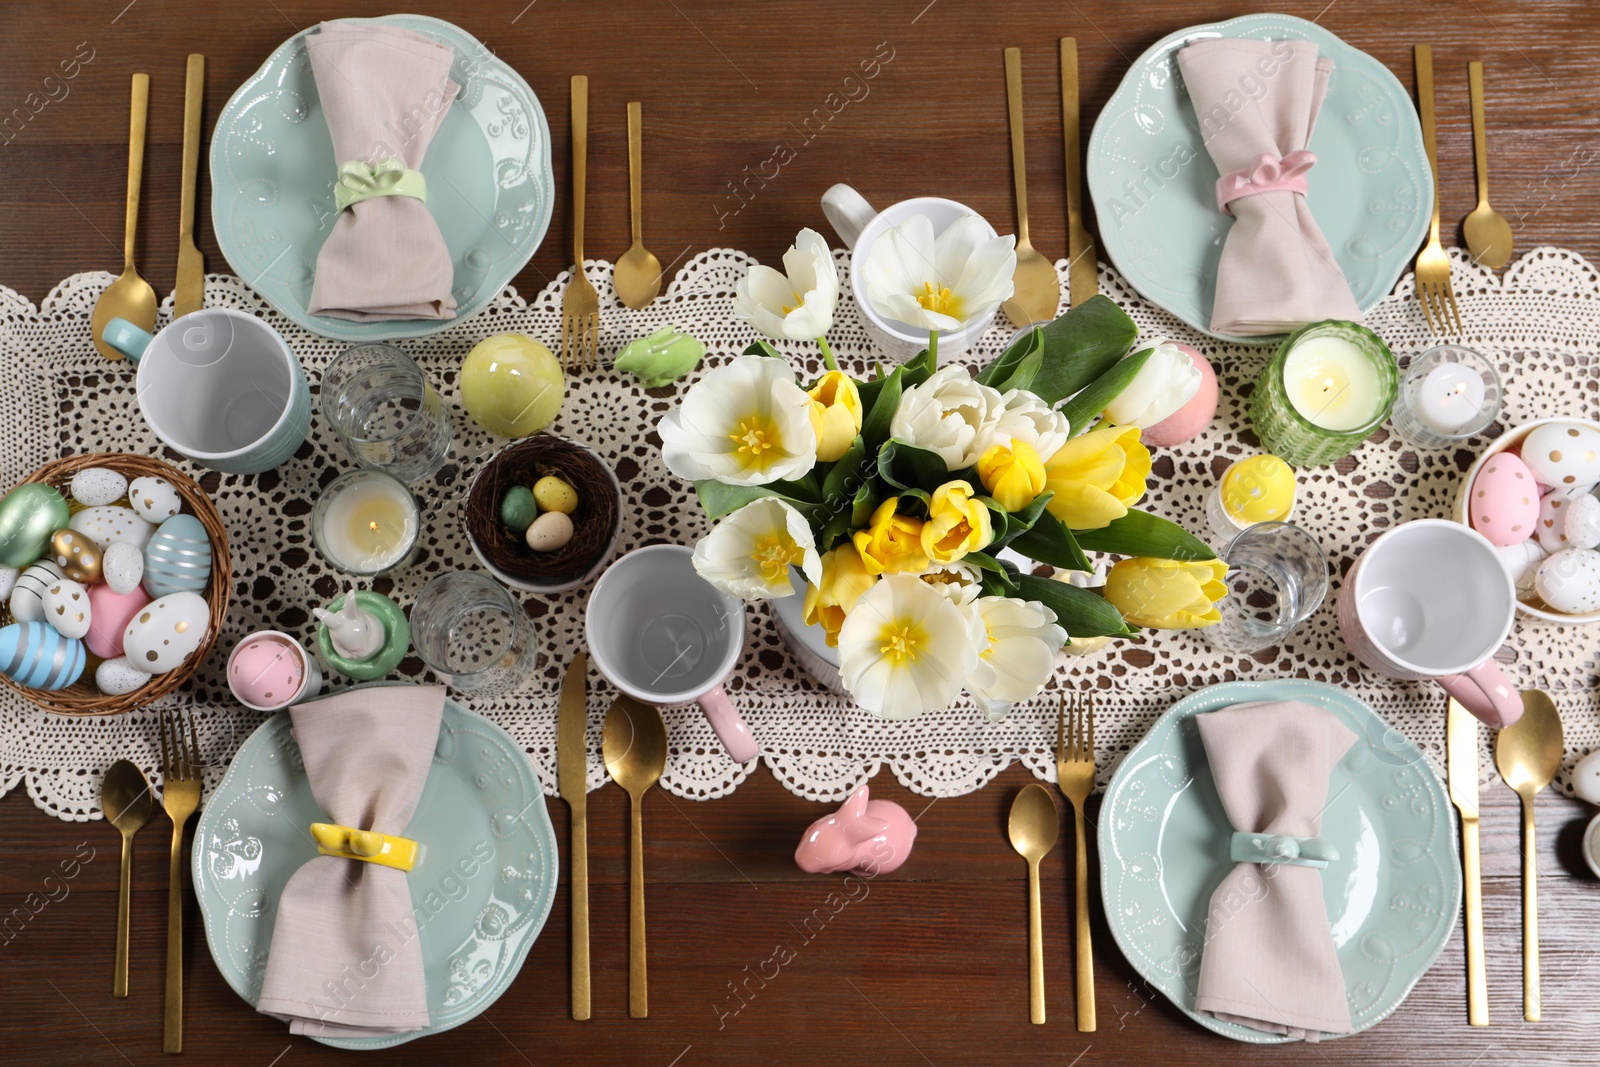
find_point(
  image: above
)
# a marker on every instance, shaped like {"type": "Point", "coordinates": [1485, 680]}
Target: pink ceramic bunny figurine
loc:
{"type": "Point", "coordinates": [870, 837]}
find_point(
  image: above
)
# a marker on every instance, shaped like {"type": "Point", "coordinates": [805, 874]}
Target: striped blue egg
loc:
{"type": "Point", "coordinates": [34, 655]}
{"type": "Point", "coordinates": [177, 558]}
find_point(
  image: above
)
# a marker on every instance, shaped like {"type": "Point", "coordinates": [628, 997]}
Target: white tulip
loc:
{"type": "Point", "coordinates": [945, 414]}
{"type": "Point", "coordinates": [1022, 416]}
{"type": "Point", "coordinates": [797, 304]}
{"type": "Point", "coordinates": [1166, 382]}
{"type": "Point", "coordinates": [748, 553]}
{"type": "Point", "coordinates": [961, 582]}
{"type": "Point", "coordinates": [939, 283]}
{"type": "Point", "coordinates": [744, 423]}
{"type": "Point", "coordinates": [905, 649]}
{"type": "Point", "coordinates": [1019, 640]}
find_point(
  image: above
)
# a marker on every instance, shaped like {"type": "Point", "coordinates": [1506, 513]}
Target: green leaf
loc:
{"type": "Point", "coordinates": [1049, 541]}
{"type": "Point", "coordinates": [848, 471]}
{"type": "Point", "coordinates": [1080, 612]}
{"type": "Point", "coordinates": [908, 467]}
{"type": "Point", "coordinates": [1138, 533]}
{"type": "Point", "coordinates": [761, 347]}
{"type": "Point", "coordinates": [999, 578]}
{"type": "Point", "coordinates": [1092, 399]}
{"type": "Point", "coordinates": [872, 493]}
{"type": "Point", "coordinates": [1006, 363]}
{"type": "Point", "coordinates": [720, 498]}
{"type": "Point", "coordinates": [881, 408]}
{"type": "Point", "coordinates": [1082, 345]}
{"type": "Point", "coordinates": [834, 529]}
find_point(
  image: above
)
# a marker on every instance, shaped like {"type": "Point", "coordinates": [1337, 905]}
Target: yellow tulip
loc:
{"type": "Point", "coordinates": [893, 543]}
{"type": "Point", "coordinates": [835, 414]}
{"type": "Point", "coordinates": [957, 524]}
{"type": "Point", "coordinates": [1096, 476]}
{"type": "Point", "coordinates": [1167, 594]}
{"type": "Point", "coordinates": [844, 579]}
{"type": "Point", "coordinates": [1012, 474]}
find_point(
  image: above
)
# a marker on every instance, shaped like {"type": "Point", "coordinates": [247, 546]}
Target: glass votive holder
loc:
{"type": "Point", "coordinates": [473, 633]}
{"type": "Point", "coordinates": [1277, 578]}
{"type": "Point", "coordinates": [1327, 388]}
{"type": "Point", "coordinates": [386, 412]}
{"type": "Point", "coordinates": [1448, 394]}
{"type": "Point", "coordinates": [366, 522]}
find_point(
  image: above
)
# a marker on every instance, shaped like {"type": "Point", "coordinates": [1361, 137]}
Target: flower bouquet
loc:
{"type": "Point", "coordinates": [895, 496]}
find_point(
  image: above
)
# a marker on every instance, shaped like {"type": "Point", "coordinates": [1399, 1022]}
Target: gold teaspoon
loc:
{"type": "Point", "coordinates": [1527, 754]}
{"type": "Point", "coordinates": [125, 799]}
{"type": "Point", "coordinates": [1033, 827]}
{"type": "Point", "coordinates": [129, 296]}
{"type": "Point", "coordinates": [634, 744]}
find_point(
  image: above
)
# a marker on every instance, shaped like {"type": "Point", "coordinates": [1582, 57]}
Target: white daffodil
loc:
{"type": "Point", "coordinates": [905, 648]}
{"type": "Point", "coordinates": [745, 423]}
{"type": "Point", "coordinates": [961, 582]}
{"type": "Point", "coordinates": [1022, 416]}
{"type": "Point", "coordinates": [749, 552]}
{"type": "Point", "coordinates": [939, 283]}
{"type": "Point", "coordinates": [1019, 641]}
{"type": "Point", "coordinates": [945, 414]}
{"type": "Point", "coordinates": [797, 304]}
{"type": "Point", "coordinates": [1167, 381]}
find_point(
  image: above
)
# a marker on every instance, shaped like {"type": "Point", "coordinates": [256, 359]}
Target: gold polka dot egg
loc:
{"type": "Point", "coordinates": [1563, 454]}
{"type": "Point", "coordinates": [166, 632]}
{"type": "Point", "coordinates": [1504, 506]}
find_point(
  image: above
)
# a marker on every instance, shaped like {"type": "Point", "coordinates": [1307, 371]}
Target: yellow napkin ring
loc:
{"type": "Point", "coordinates": [366, 845]}
{"type": "Point", "coordinates": [359, 181]}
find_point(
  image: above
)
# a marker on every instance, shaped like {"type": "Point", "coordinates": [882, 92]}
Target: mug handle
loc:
{"type": "Point", "coordinates": [127, 338]}
{"type": "Point", "coordinates": [848, 212]}
{"type": "Point", "coordinates": [1487, 693]}
{"type": "Point", "coordinates": [730, 728]}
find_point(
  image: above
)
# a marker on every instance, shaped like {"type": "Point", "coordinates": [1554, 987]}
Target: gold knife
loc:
{"type": "Point", "coordinates": [572, 775]}
{"type": "Point", "coordinates": [1083, 274]}
{"type": "Point", "coordinates": [1461, 749]}
{"type": "Point", "coordinates": [190, 293]}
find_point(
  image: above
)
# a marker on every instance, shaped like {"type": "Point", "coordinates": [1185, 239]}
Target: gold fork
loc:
{"type": "Point", "coordinates": [580, 305]}
{"type": "Point", "coordinates": [180, 795]}
{"type": "Point", "coordinates": [1433, 265]}
{"type": "Point", "coordinates": [1075, 778]}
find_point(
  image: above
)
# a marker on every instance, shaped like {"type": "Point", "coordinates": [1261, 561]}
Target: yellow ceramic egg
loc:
{"type": "Point", "coordinates": [554, 494]}
{"type": "Point", "coordinates": [512, 385]}
{"type": "Point", "coordinates": [1259, 489]}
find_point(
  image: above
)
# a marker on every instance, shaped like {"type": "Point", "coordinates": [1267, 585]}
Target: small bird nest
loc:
{"type": "Point", "coordinates": [594, 521]}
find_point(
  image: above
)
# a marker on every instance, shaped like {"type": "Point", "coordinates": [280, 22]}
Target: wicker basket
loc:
{"type": "Point", "coordinates": [82, 698]}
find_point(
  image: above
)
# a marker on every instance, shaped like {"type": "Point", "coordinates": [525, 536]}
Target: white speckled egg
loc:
{"type": "Point", "coordinates": [122, 567]}
{"type": "Point", "coordinates": [98, 486]}
{"type": "Point", "coordinates": [1582, 524]}
{"type": "Point", "coordinates": [66, 607]}
{"type": "Point", "coordinates": [109, 525]}
{"type": "Point", "coordinates": [549, 531]}
{"type": "Point", "coordinates": [1586, 778]}
{"type": "Point", "coordinates": [154, 499]}
{"type": "Point", "coordinates": [163, 635]}
{"type": "Point", "coordinates": [27, 599]}
{"type": "Point", "coordinates": [178, 557]}
{"type": "Point", "coordinates": [8, 581]}
{"type": "Point", "coordinates": [1569, 581]}
{"type": "Point", "coordinates": [1553, 507]}
{"type": "Point", "coordinates": [1563, 454]}
{"type": "Point", "coordinates": [115, 677]}
{"type": "Point", "coordinates": [1521, 561]}
{"type": "Point", "coordinates": [1504, 506]}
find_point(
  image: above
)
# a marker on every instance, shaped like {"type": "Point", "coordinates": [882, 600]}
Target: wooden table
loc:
{"type": "Point", "coordinates": [925, 966]}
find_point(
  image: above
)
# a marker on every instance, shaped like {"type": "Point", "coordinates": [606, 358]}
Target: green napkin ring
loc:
{"type": "Point", "coordinates": [1280, 848]}
{"type": "Point", "coordinates": [360, 181]}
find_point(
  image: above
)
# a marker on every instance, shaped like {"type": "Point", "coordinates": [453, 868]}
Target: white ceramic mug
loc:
{"type": "Point", "coordinates": [1430, 599]}
{"type": "Point", "coordinates": [664, 635]}
{"type": "Point", "coordinates": [859, 225]}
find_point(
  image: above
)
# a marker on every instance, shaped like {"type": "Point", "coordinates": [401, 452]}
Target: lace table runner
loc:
{"type": "Point", "coordinates": [1540, 321]}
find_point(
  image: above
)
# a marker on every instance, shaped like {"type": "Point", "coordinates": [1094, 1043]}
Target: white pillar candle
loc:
{"type": "Point", "coordinates": [1450, 397]}
{"type": "Point", "coordinates": [1332, 383]}
{"type": "Point", "coordinates": [369, 523]}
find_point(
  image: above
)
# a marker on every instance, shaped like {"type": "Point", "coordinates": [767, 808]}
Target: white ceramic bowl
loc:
{"type": "Point", "coordinates": [1511, 439]}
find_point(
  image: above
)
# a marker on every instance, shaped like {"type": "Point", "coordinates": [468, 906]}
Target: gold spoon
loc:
{"type": "Point", "coordinates": [634, 744]}
{"type": "Point", "coordinates": [129, 296]}
{"type": "Point", "coordinates": [1038, 287]}
{"type": "Point", "coordinates": [1487, 231]}
{"type": "Point", "coordinates": [1033, 827]}
{"type": "Point", "coordinates": [638, 274]}
{"type": "Point", "coordinates": [125, 799]}
{"type": "Point", "coordinates": [1527, 754]}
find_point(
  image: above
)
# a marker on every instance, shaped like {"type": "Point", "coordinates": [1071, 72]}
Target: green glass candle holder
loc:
{"type": "Point", "coordinates": [397, 639]}
{"type": "Point", "coordinates": [1287, 432]}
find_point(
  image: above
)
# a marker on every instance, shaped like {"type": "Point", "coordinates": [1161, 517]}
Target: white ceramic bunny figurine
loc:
{"type": "Point", "coordinates": [356, 634]}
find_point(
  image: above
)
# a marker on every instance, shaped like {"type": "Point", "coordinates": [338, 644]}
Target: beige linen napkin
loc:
{"type": "Point", "coordinates": [1256, 98]}
{"type": "Point", "coordinates": [385, 92]}
{"type": "Point", "coordinates": [1269, 959]}
{"type": "Point", "coordinates": [345, 960]}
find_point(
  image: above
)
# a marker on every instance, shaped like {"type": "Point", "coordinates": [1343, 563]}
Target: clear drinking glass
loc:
{"type": "Point", "coordinates": [471, 631]}
{"type": "Point", "coordinates": [385, 411]}
{"type": "Point", "coordinates": [1277, 577]}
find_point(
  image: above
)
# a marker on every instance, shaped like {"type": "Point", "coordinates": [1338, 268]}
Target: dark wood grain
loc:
{"type": "Point", "coordinates": [924, 966]}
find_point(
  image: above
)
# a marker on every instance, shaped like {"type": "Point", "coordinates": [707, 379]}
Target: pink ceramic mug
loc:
{"type": "Point", "coordinates": [1430, 599]}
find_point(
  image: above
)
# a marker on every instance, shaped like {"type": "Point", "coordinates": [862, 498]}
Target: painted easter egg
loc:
{"type": "Point", "coordinates": [78, 557]}
{"type": "Point", "coordinates": [266, 672]}
{"type": "Point", "coordinates": [8, 581]}
{"type": "Point", "coordinates": [66, 607]}
{"type": "Point", "coordinates": [110, 614]}
{"type": "Point", "coordinates": [549, 531]}
{"type": "Point", "coordinates": [98, 486]}
{"type": "Point", "coordinates": [1195, 415]}
{"type": "Point", "coordinates": [122, 567]}
{"type": "Point", "coordinates": [1553, 508]}
{"type": "Point", "coordinates": [1563, 454]}
{"type": "Point", "coordinates": [1505, 500]}
{"type": "Point", "coordinates": [1569, 581]}
{"type": "Point", "coordinates": [34, 655]}
{"type": "Point", "coordinates": [155, 499]}
{"type": "Point", "coordinates": [117, 677]}
{"type": "Point", "coordinates": [166, 632]}
{"type": "Point", "coordinates": [109, 525]}
{"type": "Point", "coordinates": [27, 599]}
{"type": "Point", "coordinates": [178, 557]}
{"type": "Point", "coordinates": [1521, 561]}
{"type": "Point", "coordinates": [1586, 778]}
{"type": "Point", "coordinates": [28, 516]}
{"type": "Point", "coordinates": [1582, 524]}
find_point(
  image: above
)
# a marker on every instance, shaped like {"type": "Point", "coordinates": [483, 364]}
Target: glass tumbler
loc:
{"type": "Point", "coordinates": [473, 633]}
{"type": "Point", "coordinates": [386, 412]}
{"type": "Point", "coordinates": [1277, 577]}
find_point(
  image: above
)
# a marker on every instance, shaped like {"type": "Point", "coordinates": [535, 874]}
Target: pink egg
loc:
{"type": "Point", "coordinates": [1505, 500]}
{"type": "Point", "coordinates": [1187, 422]}
{"type": "Point", "coordinates": [265, 672]}
{"type": "Point", "coordinates": [109, 615]}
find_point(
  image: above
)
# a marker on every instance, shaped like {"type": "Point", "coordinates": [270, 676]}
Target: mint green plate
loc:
{"type": "Point", "coordinates": [490, 186]}
{"type": "Point", "coordinates": [1392, 896]}
{"type": "Point", "coordinates": [481, 889]}
{"type": "Point", "coordinates": [1153, 183]}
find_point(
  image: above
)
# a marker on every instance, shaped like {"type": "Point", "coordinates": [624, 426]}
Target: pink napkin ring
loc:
{"type": "Point", "coordinates": [1245, 847]}
{"type": "Point", "coordinates": [369, 846]}
{"type": "Point", "coordinates": [1267, 174]}
{"type": "Point", "coordinates": [359, 181]}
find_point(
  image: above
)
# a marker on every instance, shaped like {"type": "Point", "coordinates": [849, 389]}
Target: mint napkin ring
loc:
{"type": "Point", "coordinates": [369, 846]}
{"type": "Point", "coordinates": [1280, 848]}
{"type": "Point", "coordinates": [360, 181]}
